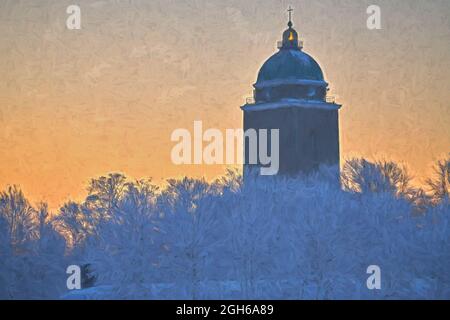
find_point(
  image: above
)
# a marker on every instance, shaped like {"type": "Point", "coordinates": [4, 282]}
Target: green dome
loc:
{"type": "Point", "coordinates": [290, 64]}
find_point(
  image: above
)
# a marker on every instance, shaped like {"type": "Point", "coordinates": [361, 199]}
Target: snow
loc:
{"type": "Point", "coordinates": [272, 238]}
{"type": "Point", "coordinates": [232, 290]}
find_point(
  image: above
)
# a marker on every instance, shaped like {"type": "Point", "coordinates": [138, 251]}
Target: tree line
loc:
{"type": "Point", "coordinates": [309, 236]}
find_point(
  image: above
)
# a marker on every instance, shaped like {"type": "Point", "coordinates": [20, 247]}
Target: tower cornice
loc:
{"type": "Point", "coordinates": [290, 103]}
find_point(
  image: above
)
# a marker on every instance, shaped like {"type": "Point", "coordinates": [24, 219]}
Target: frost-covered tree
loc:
{"type": "Point", "coordinates": [47, 262]}
{"type": "Point", "coordinates": [253, 225]}
{"type": "Point", "coordinates": [313, 224]}
{"type": "Point", "coordinates": [32, 252]}
{"type": "Point", "coordinates": [75, 223]}
{"type": "Point", "coordinates": [105, 193]}
{"type": "Point", "coordinates": [79, 221]}
{"type": "Point", "coordinates": [232, 181]}
{"type": "Point", "coordinates": [439, 185]}
{"type": "Point", "coordinates": [430, 257]}
{"type": "Point", "coordinates": [192, 231]}
{"type": "Point", "coordinates": [6, 260]}
{"type": "Point", "coordinates": [18, 213]}
{"type": "Point", "coordinates": [300, 237]}
{"type": "Point", "coordinates": [360, 175]}
{"type": "Point", "coordinates": [125, 249]}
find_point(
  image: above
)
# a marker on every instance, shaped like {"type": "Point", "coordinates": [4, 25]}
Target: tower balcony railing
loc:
{"type": "Point", "coordinates": [330, 99]}
{"type": "Point", "coordinates": [299, 44]}
{"type": "Point", "coordinates": [250, 100]}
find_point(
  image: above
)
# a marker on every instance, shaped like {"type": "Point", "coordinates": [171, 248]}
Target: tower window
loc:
{"type": "Point", "coordinates": [291, 36]}
{"type": "Point", "coordinates": [311, 92]}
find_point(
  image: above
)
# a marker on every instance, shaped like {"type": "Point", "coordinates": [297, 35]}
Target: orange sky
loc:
{"type": "Point", "coordinates": [77, 104]}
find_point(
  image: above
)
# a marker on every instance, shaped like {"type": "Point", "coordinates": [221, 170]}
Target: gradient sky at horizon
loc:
{"type": "Point", "coordinates": [78, 104]}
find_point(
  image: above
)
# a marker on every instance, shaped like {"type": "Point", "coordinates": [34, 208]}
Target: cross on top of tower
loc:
{"type": "Point", "coordinates": [290, 16]}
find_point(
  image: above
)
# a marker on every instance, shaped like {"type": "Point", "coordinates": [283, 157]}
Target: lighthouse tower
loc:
{"type": "Point", "coordinates": [290, 94]}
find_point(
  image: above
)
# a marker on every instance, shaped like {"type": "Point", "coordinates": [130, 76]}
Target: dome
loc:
{"type": "Point", "coordinates": [290, 75]}
{"type": "Point", "coordinates": [290, 64]}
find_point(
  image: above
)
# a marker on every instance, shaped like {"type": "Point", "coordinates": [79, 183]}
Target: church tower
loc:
{"type": "Point", "coordinates": [290, 94]}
